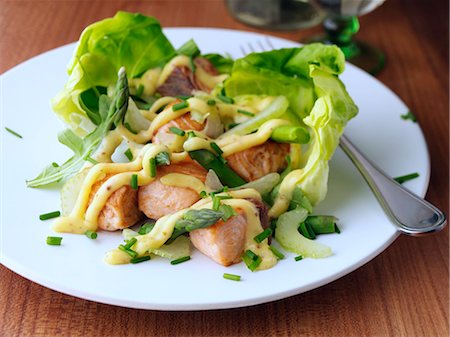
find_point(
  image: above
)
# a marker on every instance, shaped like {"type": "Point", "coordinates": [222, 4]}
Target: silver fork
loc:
{"type": "Point", "coordinates": [410, 213]}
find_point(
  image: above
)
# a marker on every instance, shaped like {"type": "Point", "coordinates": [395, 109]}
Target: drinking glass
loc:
{"type": "Point", "coordinates": [276, 14]}
{"type": "Point", "coordinates": [341, 24]}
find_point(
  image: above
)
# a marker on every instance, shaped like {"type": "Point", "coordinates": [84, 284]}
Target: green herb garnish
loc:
{"type": "Point", "coordinates": [162, 158]}
{"type": "Point", "coordinates": [409, 116]}
{"type": "Point", "coordinates": [406, 177]}
{"type": "Point", "coordinates": [177, 131]}
{"type": "Point", "coordinates": [180, 106]}
{"type": "Point", "coordinates": [128, 154]}
{"type": "Point", "coordinates": [140, 259]}
{"type": "Point", "coordinates": [54, 240]}
{"type": "Point", "coordinates": [277, 253]}
{"type": "Point", "coordinates": [134, 181]}
{"type": "Point", "coordinates": [13, 132]}
{"type": "Point", "coordinates": [231, 277]}
{"type": "Point", "coordinates": [91, 234]}
{"type": "Point", "coordinates": [180, 260]}
{"type": "Point", "coordinates": [111, 113]}
{"type": "Point", "coordinates": [51, 215]}
{"type": "Point", "coordinates": [246, 113]}
{"type": "Point", "coordinates": [263, 235]}
{"type": "Point", "coordinates": [225, 99]}
{"type": "Point", "coordinates": [152, 164]}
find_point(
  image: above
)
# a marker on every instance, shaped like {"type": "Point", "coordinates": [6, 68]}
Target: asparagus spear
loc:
{"type": "Point", "coordinates": [290, 134]}
{"type": "Point", "coordinates": [211, 162]}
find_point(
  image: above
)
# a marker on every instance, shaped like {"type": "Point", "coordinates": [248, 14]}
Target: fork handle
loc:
{"type": "Point", "coordinates": [411, 214]}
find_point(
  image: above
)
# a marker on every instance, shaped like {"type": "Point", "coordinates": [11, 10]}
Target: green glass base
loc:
{"type": "Point", "coordinates": [359, 53]}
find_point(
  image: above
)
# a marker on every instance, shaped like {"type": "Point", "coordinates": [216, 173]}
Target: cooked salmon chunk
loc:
{"type": "Point", "coordinates": [258, 161]}
{"type": "Point", "coordinates": [121, 208]}
{"type": "Point", "coordinates": [157, 199]}
{"type": "Point", "coordinates": [182, 81]}
{"type": "Point", "coordinates": [224, 241]}
{"type": "Point", "coordinates": [184, 122]}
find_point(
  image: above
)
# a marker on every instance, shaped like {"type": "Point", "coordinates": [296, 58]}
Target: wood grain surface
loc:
{"type": "Point", "coordinates": [402, 292]}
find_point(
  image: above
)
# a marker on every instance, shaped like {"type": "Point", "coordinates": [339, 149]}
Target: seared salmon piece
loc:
{"type": "Point", "coordinates": [121, 209]}
{"type": "Point", "coordinates": [182, 82]}
{"type": "Point", "coordinates": [183, 122]}
{"type": "Point", "coordinates": [224, 241]}
{"type": "Point", "coordinates": [258, 161]}
{"type": "Point", "coordinates": [209, 68]}
{"type": "Point", "coordinates": [157, 199]}
{"type": "Point", "coordinates": [179, 83]}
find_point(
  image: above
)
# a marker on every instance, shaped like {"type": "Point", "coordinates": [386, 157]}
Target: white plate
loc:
{"type": "Point", "coordinates": [77, 268]}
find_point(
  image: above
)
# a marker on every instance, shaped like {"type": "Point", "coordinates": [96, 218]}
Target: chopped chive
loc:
{"type": "Point", "coordinates": [162, 158]}
{"type": "Point", "coordinates": [203, 194]}
{"type": "Point", "coordinates": [211, 102]}
{"type": "Point", "coordinates": [263, 235]}
{"type": "Point", "coordinates": [225, 99]}
{"type": "Point", "coordinates": [273, 225]}
{"type": "Point", "coordinates": [225, 189]}
{"type": "Point", "coordinates": [322, 224]}
{"type": "Point", "coordinates": [277, 253]}
{"type": "Point", "coordinates": [128, 154]}
{"type": "Point", "coordinates": [134, 182]}
{"type": "Point", "coordinates": [227, 211]}
{"type": "Point", "coordinates": [306, 230]}
{"type": "Point", "coordinates": [152, 167]}
{"type": "Point", "coordinates": [232, 125]}
{"type": "Point", "coordinates": [146, 228]}
{"type": "Point", "coordinates": [55, 164]}
{"type": "Point", "coordinates": [180, 106]}
{"type": "Point", "coordinates": [13, 132]}
{"type": "Point", "coordinates": [409, 115]}
{"type": "Point", "coordinates": [140, 90]}
{"type": "Point", "coordinates": [54, 240]}
{"type": "Point", "coordinates": [50, 215]}
{"type": "Point", "coordinates": [140, 259]}
{"type": "Point", "coordinates": [180, 260]}
{"type": "Point", "coordinates": [177, 131]}
{"type": "Point", "coordinates": [231, 277]}
{"type": "Point", "coordinates": [129, 251]}
{"type": "Point", "coordinates": [298, 258]}
{"type": "Point", "coordinates": [217, 199]}
{"type": "Point", "coordinates": [90, 234]}
{"type": "Point", "coordinates": [222, 159]}
{"type": "Point", "coordinates": [191, 134]}
{"type": "Point", "coordinates": [247, 113]}
{"type": "Point", "coordinates": [251, 260]}
{"type": "Point", "coordinates": [130, 243]}
{"type": "Point", "coordinates": [91, 160]}
{"type": "Point", "coordinates": [406, 177]}
{"type": "Point", "coordinates": [336, 229]}
{"type": "Point", "coordinates": [216, 148]}
{"type": "Point", "coordinates": [250, 254]}
{"type": "Point", "coordinates": [184, 97]}
{"type": "Point", "coordinates": [216, 203]}
{"type": "Point", "coordinates": [129, 128]}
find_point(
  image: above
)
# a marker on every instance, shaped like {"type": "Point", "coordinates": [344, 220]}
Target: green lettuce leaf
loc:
{"type": "Point", "coordinates": [131, 40]}
{"type": "Point", "coordinates": [308, 78]}
{"type": "Point", "coordinates": [331, 112]}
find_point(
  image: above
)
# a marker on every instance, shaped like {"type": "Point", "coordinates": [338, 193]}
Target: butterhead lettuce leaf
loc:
{"type": "Point", "coordinates": [131, 40]}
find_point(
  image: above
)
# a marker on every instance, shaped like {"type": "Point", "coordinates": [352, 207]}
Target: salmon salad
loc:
{"type": "Point", "coordinates": [180, 150]}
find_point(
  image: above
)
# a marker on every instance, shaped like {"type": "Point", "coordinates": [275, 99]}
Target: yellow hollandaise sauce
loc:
{"type": "Point", "coordinates": [84, 215]}
{"type": "Point", "coordinates": [164, 228]}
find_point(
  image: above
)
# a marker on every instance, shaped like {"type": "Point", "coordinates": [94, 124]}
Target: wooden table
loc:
{"type": "Point", "coordinates": [402, 292]}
